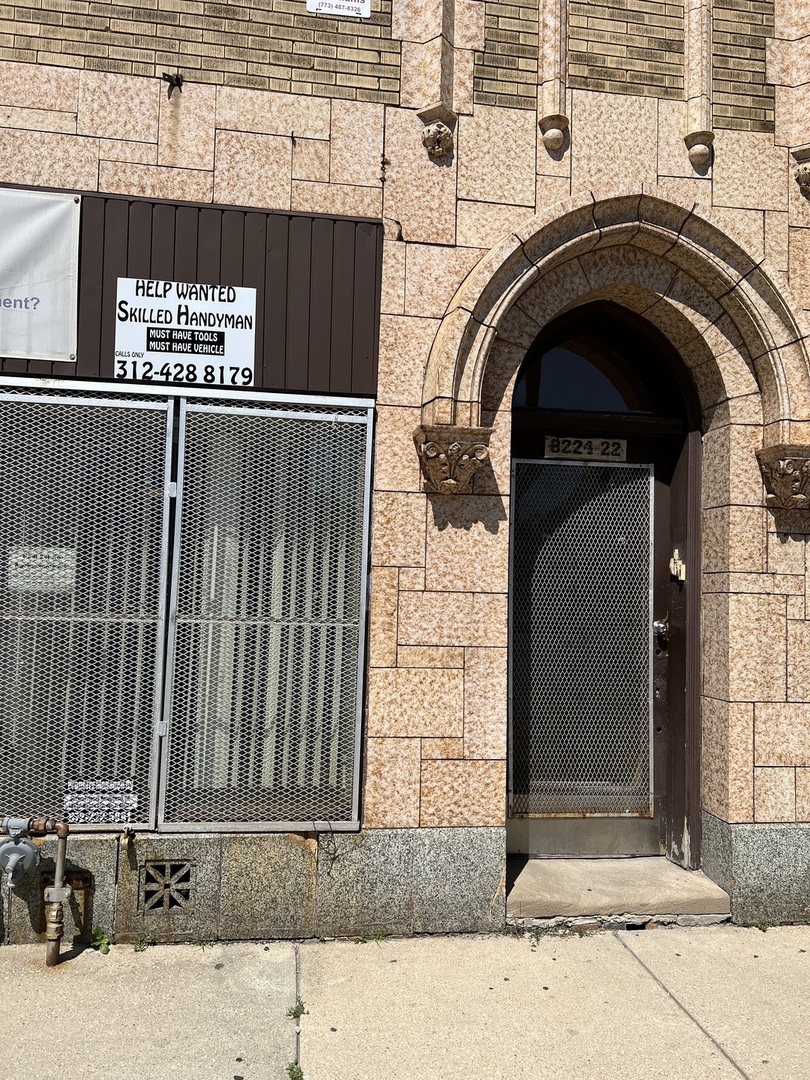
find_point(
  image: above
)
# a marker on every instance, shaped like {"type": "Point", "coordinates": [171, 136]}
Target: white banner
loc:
{"type": "Point", "coordinates": [177, 332]}
{"type": "Point", "coordinates": [39, 274]}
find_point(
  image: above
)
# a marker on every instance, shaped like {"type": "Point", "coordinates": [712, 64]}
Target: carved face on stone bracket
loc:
{"type": "Point", "coordinates": [437, 138]}
{"type": "Point", "coordinates": [803, 178]}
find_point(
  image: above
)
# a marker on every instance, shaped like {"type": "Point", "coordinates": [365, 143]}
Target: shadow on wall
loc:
{"type": "Point", "coordinates": [30, 894]}
{"type": "Point", "coordinates": [467, 511]}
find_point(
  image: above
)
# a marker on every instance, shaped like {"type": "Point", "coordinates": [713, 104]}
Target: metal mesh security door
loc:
{"type": "Point", "coordinates": [82, 581]}
{"type": "Point", "coordinates": [267, 613]}
{"type": "Point", "coordinates": [581, 639]}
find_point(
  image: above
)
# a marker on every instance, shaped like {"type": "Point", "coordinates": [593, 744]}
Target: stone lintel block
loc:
{"type": "Point", "coordinates": [415, 702]}
{"type": "Point", "coordinates": [267, 887]}
{"type": "Point", "coordinates": [774, 794]}
{"type": "Point", "coordinates": [91, 872]}
{"type": "Point", "coordinates": [185, 911]}
{"type": "Point", "coordinates": [391, 796]}
{"type": "Point", "coordinates": [462, 793]}
{"type": "Point", "coordinates": [447, 618]}
{"type": "Point", "coordinates": [768, 866]}
{"type": "Point", "coordinates": [782, 733]}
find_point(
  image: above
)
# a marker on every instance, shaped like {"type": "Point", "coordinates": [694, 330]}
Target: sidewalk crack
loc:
{"type": "Point", "coordinates": [683, 1008]}
{"type": "Point", "coordinates": [297, 998]}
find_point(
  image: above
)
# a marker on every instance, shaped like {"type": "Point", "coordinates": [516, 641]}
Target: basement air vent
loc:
{"type": "Point", "coordinates": [166, 886]}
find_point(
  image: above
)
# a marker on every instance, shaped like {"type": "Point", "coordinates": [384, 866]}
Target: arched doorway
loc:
{"type": "Point", "coordinates": [604, 603]}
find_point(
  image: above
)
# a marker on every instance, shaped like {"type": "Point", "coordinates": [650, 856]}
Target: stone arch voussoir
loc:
{"type": "Point", "coordinates": [667, 262]}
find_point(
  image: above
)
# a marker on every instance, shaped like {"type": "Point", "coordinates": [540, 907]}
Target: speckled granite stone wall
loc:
{"type": "Point", "coordinates": [500, 205]}
{"type": "Point", "coordinates": [256, 887]}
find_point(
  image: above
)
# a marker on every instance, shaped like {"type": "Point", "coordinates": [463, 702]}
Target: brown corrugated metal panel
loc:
{"type": "Point", "coordinates": [317, 282]}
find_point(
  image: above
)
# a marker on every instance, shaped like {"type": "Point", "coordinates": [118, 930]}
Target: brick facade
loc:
{"type": "Point", "coordinates": [506, 70]}
{"type": "Point", "coordinates": [742, 97]}
{"type": "Point", "coordinates": [626, 48]}
{"type": "Point", "coordinates": [267, 45]}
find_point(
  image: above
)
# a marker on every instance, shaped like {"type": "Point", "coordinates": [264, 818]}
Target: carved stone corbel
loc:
{"type": "Point", "coordinates": [801, 155]}
{"type": "Point", "coordinates": [786, 475]}
{"type": "Point", "coordinates": [437, 134]}
{"type": "Point", "coordinates": [554, 130]}
{"type": "Point", "coordinates": [450, 456]}
{"type": "Point", "coordinates": [699, 149]}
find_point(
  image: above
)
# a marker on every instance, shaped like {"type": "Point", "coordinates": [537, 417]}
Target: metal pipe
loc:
{"type": "Point", "coordinates": [56, 895]}
{"type": "Point", "coordinates": [55, 926]}
{"type": "Point", "coordinates": [61, 855]}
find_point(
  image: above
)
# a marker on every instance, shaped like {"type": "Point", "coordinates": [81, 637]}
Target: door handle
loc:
{"type": "Point", "coordinates": [661, 627]}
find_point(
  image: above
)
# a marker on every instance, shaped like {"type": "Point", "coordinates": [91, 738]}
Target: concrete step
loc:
{"type": "Point", "coordinates": [569, 888]}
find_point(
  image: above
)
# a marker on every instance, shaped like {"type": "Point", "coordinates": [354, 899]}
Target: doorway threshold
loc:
{"type": "Point", "coordinates": [622, 891]}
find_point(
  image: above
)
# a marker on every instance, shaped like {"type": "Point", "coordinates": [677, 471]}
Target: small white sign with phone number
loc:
{"type": "Point", "coordinates": [358, 9]}
{"type": "Point", "coordinates": [179, 332]}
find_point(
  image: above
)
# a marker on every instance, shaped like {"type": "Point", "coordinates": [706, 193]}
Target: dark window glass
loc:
{"type": "Point", "coordinates": [603, 366]}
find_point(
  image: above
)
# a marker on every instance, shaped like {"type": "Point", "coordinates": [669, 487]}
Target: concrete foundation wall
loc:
{"type": "Point", "coordinates": [764, 868]}
{"type": "Point", "coordinates": [255, 887]}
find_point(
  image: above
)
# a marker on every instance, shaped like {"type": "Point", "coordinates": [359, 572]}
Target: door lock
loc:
{"type": "Point", "coordinates": [661, 627]}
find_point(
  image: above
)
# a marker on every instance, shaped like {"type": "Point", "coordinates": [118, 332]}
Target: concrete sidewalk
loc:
{"type": "Point", "coordinates": [675, 1004]}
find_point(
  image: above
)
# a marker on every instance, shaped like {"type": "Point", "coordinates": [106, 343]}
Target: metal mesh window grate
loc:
{"type": "Point", "coordinates": [266, 654]}
{"type": "Point", "coordinates": [260, 560]}
{"type": "Point", "coordinates": [80, 605]}
{"type": "Point", "coordinates": [581, 639]}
